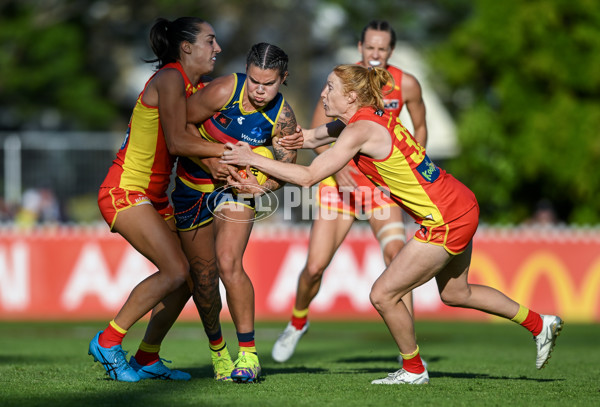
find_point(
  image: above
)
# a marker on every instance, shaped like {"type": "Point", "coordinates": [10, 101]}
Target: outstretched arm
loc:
{"type": "Point", "coordinates": [324, 165]}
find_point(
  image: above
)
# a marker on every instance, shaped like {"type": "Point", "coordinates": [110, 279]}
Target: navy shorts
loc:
{"type": "Point", "coordinates": [195, 208]}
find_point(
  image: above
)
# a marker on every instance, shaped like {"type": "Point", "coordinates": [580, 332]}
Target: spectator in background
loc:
{"type": "Point", "coordinates": [544, 215]}
{"type": "Point", "coordinates": [39, 205]}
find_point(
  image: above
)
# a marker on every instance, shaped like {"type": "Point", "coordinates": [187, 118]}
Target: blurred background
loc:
{"type": "Point", "coordinates": [512, 90]}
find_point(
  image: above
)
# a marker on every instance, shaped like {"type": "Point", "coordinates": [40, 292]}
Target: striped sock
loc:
{"type": "Point", "coordinates": [412, 362]}
{"type": "Point", "coordinates": [216, 341]}
{"type": "Point", "coordinates": [246, 342]}
{"type": "Point", "coordinates": [299, 318]}
{"type": "Point", "coordinates": [112, 335]}
{"type": "Point", "coordinates": [147, 354]}
{"type": "Point", "coordinates": [530, 320]}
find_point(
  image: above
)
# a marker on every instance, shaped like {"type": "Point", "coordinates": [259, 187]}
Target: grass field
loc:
{"type": "Point", "coordinates": [470, 364]}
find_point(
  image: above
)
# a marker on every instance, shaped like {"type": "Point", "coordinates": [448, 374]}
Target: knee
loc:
{"type": "Point", "coordinates": [377, 298]}
{"type": "Point", "coordinates": [391, 249]}
{"type": "Point", "coordinates": [313, 272]}
{"type": "Point", "coordinates": [179, 274]}
{"type": "Point", "coordinates": [454, 298]}
{"type": "Point", "coordinates": [228, 264]}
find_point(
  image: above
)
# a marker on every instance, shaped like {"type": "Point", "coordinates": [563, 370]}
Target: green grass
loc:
{"type": "Point", "coordinates": [470, 364]}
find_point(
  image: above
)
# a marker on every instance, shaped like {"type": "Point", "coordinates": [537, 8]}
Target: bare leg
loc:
{"type": "Point", "coordinates": [456, 291]}
{"type": "Point", "coordinates": [198, 244]}
{"type": "Point", "coordinates": [165, 314]}
{"type": "Point", "coordinates": [392, 237]}
{"type": "Point", "coordinates": [416, 264]}
{"type": "Point", "coordinates": [326, 236]}
{"type": "Point", "coordinates": [230, 243]}
{"type": "Point", "coordinates": [157, 240]}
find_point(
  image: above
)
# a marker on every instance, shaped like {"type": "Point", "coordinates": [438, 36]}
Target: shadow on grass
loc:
{"type": "Point", "coordinates": [454, 375]}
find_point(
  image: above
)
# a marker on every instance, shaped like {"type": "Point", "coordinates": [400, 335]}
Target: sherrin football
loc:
{"type": "Point", "coordinates": [260, 177]}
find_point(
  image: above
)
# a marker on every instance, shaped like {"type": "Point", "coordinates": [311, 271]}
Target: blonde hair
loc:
{"type": "Point", "coordinates": [366, 82]}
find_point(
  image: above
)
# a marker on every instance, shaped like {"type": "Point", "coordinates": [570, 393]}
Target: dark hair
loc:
{"type": "Point", "coordinates": [268, 56]}
{"type": "Point", "coordinates": [166, 37]}
{"type": "Point", "coordinates": [380, 25]}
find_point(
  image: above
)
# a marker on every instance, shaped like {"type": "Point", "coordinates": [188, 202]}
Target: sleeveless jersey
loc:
{"type": "Point", "coordinates": [393, 103]}
{"type": "Point", "coordinates": [143, 162]}
{"type": "Point", "coordinates": [427, 193]}
{"type": "Point", "coordinates": [393, 100]}
{"type": "Point", "coordinates": [232, 124]}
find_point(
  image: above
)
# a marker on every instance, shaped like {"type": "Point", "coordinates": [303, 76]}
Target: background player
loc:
{"type": "Point", "coordinates": [351, 194]}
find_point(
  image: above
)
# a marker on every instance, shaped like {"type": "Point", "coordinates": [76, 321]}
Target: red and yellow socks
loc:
{"type": "Point", "coordinates": [530, 320]}
{"type": "Point", "coordinates": [246, 342]}
{"type": "Point", "coordinates": [112, 335]}
{"type": "Point", "coordinates": [299, 318]}
{"type": "Point", "coordinates": [412, 362]}
{"type": "Point", "coordinates": [147, 354]}
{"type": "Point", "coordinates": [216, 341]}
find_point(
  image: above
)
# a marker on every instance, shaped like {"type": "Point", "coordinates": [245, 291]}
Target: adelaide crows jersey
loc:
{"type": "Point", "coordinates": [232, 124]}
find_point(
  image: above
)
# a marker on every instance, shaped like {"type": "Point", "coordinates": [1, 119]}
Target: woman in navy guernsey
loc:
{"type": "Point", "coordinates": [446, 210]}
{"type": "Point", "coordinates": [213, 222]}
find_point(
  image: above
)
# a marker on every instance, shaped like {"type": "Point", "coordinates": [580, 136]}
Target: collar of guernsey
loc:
{"type": "Point", "coordinates": [232, 123]}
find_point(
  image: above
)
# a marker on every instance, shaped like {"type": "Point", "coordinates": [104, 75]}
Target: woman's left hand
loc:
{"type": "Point", "coordinates": [237, 154]}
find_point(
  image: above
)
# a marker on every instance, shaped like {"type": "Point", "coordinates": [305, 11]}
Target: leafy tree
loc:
{"type": "Point", "coordinates": [524, 83]}
{"type": "Point", "coordinates": [44, 74]}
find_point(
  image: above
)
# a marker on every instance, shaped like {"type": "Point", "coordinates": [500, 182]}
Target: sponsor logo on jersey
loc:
{"type": "Point", "coordinates": [391, 104]}
{"type": "Point", "coordinates": [428, 170]}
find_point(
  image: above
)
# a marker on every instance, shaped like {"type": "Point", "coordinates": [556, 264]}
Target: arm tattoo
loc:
{"type": "Point", "coordinates": [286, 125]}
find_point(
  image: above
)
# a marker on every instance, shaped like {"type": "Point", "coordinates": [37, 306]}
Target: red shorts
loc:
{"type": "Point", "coordinates": [363, 200]}
{"type": "Point", "coordinates": [454, 236]}
{"type": "Point", "coordinates": [111, 201]}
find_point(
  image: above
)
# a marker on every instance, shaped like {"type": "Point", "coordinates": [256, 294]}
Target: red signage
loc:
{"type": "Point", "coordinates": [78, 273]}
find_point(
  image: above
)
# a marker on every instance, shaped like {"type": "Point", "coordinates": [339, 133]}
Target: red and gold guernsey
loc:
{"type": "Point", "coordinates": [393, 102]}
{"type": "Point", "coordinates": [392, 96]}
{"type": "Point", "coordinates": [143, 162]}
{"type": "Point", "coordinates": [427, 193]}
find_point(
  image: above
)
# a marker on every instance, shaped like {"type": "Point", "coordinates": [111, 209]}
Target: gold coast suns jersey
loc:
{"type": "Point", "coordinates": [392, 95]}
{"type": "Point", "coordinates": [143, 162]}
{"type": "Point", "coordinates": [393, 102]}
{"type": "Point", "coordinates": [427, 193]}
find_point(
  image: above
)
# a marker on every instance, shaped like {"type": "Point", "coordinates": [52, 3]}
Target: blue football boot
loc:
{"type": "Point", "coordinates": [113, 360]}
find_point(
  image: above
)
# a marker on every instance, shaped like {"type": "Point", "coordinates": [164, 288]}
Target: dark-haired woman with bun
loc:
{"type": "Point", "coordinates": [133, 198]}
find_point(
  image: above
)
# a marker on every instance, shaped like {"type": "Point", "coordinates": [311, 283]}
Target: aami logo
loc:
{"type": "Point", "coordinates": [222, 120]}
{"type": "Point", "coordinates": [391, 104]}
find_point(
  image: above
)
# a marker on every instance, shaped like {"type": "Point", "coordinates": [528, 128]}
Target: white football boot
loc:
{"type": "Point", "coordinates": [286, 343]}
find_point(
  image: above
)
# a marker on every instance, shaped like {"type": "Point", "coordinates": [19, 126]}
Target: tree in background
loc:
{"type": "Point", "coordinates": [45, 75]}
{"type": "Point", "coordinates": [524, 83]}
